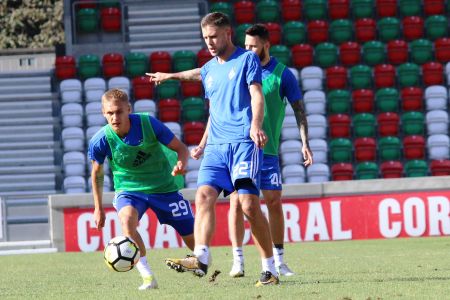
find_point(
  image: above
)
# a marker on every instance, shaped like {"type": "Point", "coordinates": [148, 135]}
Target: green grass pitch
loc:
{"type": "Point", "coordinates": [417, 268]}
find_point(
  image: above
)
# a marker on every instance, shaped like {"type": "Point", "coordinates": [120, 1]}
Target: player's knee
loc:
{"type": "Point", "coordinates": [205, 198]}
{"type": "Point", "coordinates": [129, 224]}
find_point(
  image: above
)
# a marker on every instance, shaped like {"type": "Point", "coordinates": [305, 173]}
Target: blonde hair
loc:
{"type": "Point", "coordinates": [115, 94]}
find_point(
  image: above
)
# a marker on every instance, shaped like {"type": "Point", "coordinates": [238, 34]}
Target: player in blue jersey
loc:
{"type": "Point", "coordinates": [145, 157]}
{"type": "Point", "coordinates": [233, 154]}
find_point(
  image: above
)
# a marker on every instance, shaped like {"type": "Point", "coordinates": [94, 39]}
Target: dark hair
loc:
{"type": "Point", "coordinates": [258, 30]}
{"type": "Point", "coordinates": [217, 19]}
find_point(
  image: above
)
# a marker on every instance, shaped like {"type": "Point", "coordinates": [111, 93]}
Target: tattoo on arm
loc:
{"type": "Point", "coordinates": [190, 75]}
{"type": "Point", "coordinates": [302, 123]}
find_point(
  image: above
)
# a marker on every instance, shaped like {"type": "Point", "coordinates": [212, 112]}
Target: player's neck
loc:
{"type": "Point", "coordinates": [265, 61]}
{"type": "Point", "coordinates": [122, 132]}
{"type": "Point", "coordinates": [227, 53]}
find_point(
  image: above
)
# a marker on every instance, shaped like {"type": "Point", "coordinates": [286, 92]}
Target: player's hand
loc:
{"type": "Point", "coordinates": [307, 156]}
{"type": "Point", "coordinates": [158, 77]}
{"type": "Point", "coordinates": [99, 217]}
{"type": "Point", "coordinates": [197, 152]}
{"type": "Point", "coordinates": [258, 136]}
{"type": "Point", "coordinates": [179, 169]}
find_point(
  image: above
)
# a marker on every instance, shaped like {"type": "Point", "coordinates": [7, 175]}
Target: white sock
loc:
{"type": "Point", "coordinates": [268, 264]}
{"type": "Point", "coordinates": [202, 253]}
{"type": "Point", "coordinates": [278, 256]}
{"type": "Point", "coordinates": [238, 255]}
{"type": "Point", "coordinates": [143, 267]}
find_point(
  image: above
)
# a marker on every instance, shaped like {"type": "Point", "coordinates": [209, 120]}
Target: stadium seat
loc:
{"type": "Point", "coordinates": [318, 173]}
{"type": "Point", "coordinates": [338, 9]}
{"type": "Point", "coordinates": [387, 99]}
{"type": "Point", "coordinates": [416, 168]}
{"type": "Point", "coordinates": [222, 7]}
{"type": "Point", "coordinates": [386, 8]}
{"type": "Point", "coordinates": [373, 53]}
{"type": "Point", "coordinates": [136, 64]}
{"type": "Point", "coordinates": [384, 76]}
{"type": "Point", "coordinates": [389, 148]}
{"type": "Point", "coordinates": [88, 66]}
{"type": "Point", "coordinates": [436, 97]}
{"type": "Point", "coordinates": [142, 88]}
{"type": "Point", "coordinates": [311, 78]}
{"type": "Point", "coordinates": [290, 131]}
{"type": "Point", "coordinates": [193, 132]}
{"type": "Point", "coordinates": [391, 169]}
{"type": "Point", "coordinates": [361, 77]}
{"type": "Point", "coordinates": [291, 10]}
{"type": "Point", "coordinates": [408, 74]}
{"type": "Point", "coordinates": [302, 55]}
{"type": "Point", "coordinates": [388, 29]}
{"type": "Point", "coordinates": [414, 147]}
{"type": "Point", "coordinates": [70, 91]}
{"type": "Point", "coordinates": [413, 123]}
{"type": "Point", "coordinates": [74, 163]}
{"type": "Point", "coordinates": [388, 124]}
{"type": "Point", "coordinates": [442, 49]}
{"type": "Point", "coordinates": [362, 9]}
{"type": "Point", "coordinates": [175, 128]}
{"type": "Point", "coordinates": [191, 88]}
{"type": "Point", "coordinates": [336, 78]}
{"type": "Point", "coordinates": [320, 149]}
{"type": "Point", "coordinates": [193, 164]}
{"type": "Point", "coordinates": [240, 34]}
{"type": "Point", "coordinates": [340, 150]}
{"type": "Point", "coordinates": [317, 126]}
{"type": "Point", "coordinates": [325, 55]}
{"type": "Point", "coordinates": [94, 115]}
{"type": "Point", "coordinates": [145, 106]}
{"type": "Point", "coordinates": [87, 20]}
{"type": "Point", "coordinates": [432, 73]}
{"type": "Point", "coordinates": [339, 125]}
{"type": "Point", "coordinates": [410, 7]}
{"type": "Point", "coordinates": [193, 109]}
{"type": "Point", "coordinates": [111, 19]}
{"type": "Point", "coordinates": [438, 146]}
{"type": "Point", "coordinates": [169, 110]}
{"type": "Point", "coordinates": [184, 60]}
{"type": "Point", "coordinates": [289, 151]}
{"type": "Point", "coordinates": [338, 102]}
{"type": "Point", "coordinates": [317, 32]}
{"type": "Point", "coordinates": [120, 82]}
{"type": "Point", "coordinates": [365, 149]}
{"type": "Point", "coordinates": [294, 32]}
{"type": "Point", "coordinates": [341, 171]}
{"type": "Point", "coordinates": [112, 64]}
{"type": "Point", "coordinates": [440, 167]}
{"type": "Point", "coordinates": [281, 53]}
{"type": "Point", "coordinates": [397, 52]}
{"type": "Point", "coordinates": [168, 89]}
{"type": "Point", "coordinates": [110, 3]}
{"type": "Point", "coordinates": [244, 12]}
{"type": "Point", "coordinates": [412, 28]}
{"type": "Point", "coordinates": [315, 102]}
{"type": "Point", "coordinates": [267, 11]}
{"type": "Point", "coordinates": [74, 185]}
{"type": "Point", "coordinates": [72, 115]}
{"type": "Point", "coordinates": [341, 31]}
{"type": "Point", "coordinates": [191, 179]}
{"type": "Point", "coordinates": [437, 122]}
{"type": "Point", "coordinates": [363, 101]}
{"type": "Point", "coordinates": [436, 27]}
{"type": "Point", "coordinates": [161, 61]}
{"type": "Point", "coordinates": [65, 67]}
{"type": "Point", "coordinates": [350, 54]}
{"type": "Point", "coordinates": [421, 51]}
{"type": "Point", "coordinates": [315, 9]}
{"type": "Point", "coordinates": [365, 30]}
{"type": "Point", "coordinates": [364, 125]}
{"type": "Point", "coordinates": [73, 139]}
{"type": "Point", "coordinates": [433, 7]}
{"type": "Point", "coordinates": [90, 132]}
{"type": "Point", "coordinates": [203, 56]}
{"type": "Point", "coordinates": [293, 173]}
{"type": "Point", "coordinates": [366, 170]}
{"type": "Point", "coordinates": [412, 99]}
{"type": "Point", "coordinates": [275, 35]}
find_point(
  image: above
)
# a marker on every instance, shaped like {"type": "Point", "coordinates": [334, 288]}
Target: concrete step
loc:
{"type": "Point", "coordinates": [25, 74]}
{"type": "Point", "coordinates": [25, 178]}
{"type": "Point", "coordinates": [178, 27]}
{"type": "Point", "coordinates": [158, 20]}
{"type": "Point", "coordinates": [32, 136]}
{"type": "Point", "coordinates": [158, 11]}
{"type": "Point", "coordinates": [26, 96]}
{"type": "Point", "coordinates": [44, 112]}
{"type": "Point", "coordinates": [25, 128]}
{"type": "Point", "coordinates": [25, 245]}
{"type": "Point", "coordinates": [26, 161]}
{"type": "Point", "coordinates": [166, 43]}
{"type": "Point", "coordinates": [16, 121]}
{"type": "Point", "coordinates": [26, 186]}
{"type": "Point", "coordinates": [18, 105]}
{"type": "Point", "coordinates": [35, 169]}
{"type": "Point", "coordinates": [170, 49]}
{"type": "Point", "coordinates": [24, 153]}
{"type": "Point", "coordinates": [21, 81]}
{"type": "Point", "coordinates": [48, 144]}
{"type": "Point", "coordinates": [27, 193]}
{"type": "Point", "coordinates": [26, 88]}
{"type": "Point", "coordinates": [28, 232]}
{"type": "Point", "coordinates": [136, 37]}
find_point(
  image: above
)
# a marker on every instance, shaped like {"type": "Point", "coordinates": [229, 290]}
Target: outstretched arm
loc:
{"type": "Point", "coordinates": [97, 178]}
{"type": "Point", "coordinates": [189, 75]}
{"type": "Point", "coordinates": [302, 123]}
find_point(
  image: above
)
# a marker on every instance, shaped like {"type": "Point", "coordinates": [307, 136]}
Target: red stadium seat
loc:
{"type": "Point", "coordinates": [244, 12]}
{"type": "Point", "coordinates": [142, 88]}
{"type": "Point", "coordinates": [414, 147]}
{"type": "Point", "coordinates": [412, 99]}
{"type": "Point", "coordinates": [83, 4]}
{"type": "Point", "coordinates": [339, 125]}
{"type": "Point", "coordinates": [397, 52]}
{"type": "Point", "coordinates": [338, 9]}
{"type": "Point", "coordinates": [440, 167]}
{"type": "Point", "coordinates": [112, 65]}
{"type": "Point", "coordinates": [160, 61]}
{"type": "Point", "coordinates": [191, 88]}
{"type": "Point", "coordinates": [365, 149]}
{"type": "Point", "coordinates": [302, 55]}
{"type": "Point", "coordinates": [434, 7]}
{"type": "Point", "coordinates": [193, 132]}
{"type": "Point", "coordinates": [391, 169]}
{"type": "Point", "coordinates": [412, 28]}
{"type": "Point", "coordinates": [291, 10]}
{"type": "Point", "coordinates": [65, 67]}
{"type": "Point", "coordinates": [336, 78]}
{"type": "Point", "coordinates": [363, 101]}
{"type": "Point", "coordinates": [342, 171]}
{"type": "Point", "coordinates": [169, 110]}
{"type": "Point", "coordinates": [350, 53]}
{"type": "Point", "coordinates": [365, 30]}
{"type": "Point", "coordinates": [111, 19]}
{"type": "Point", "coordinates": [386, 8]}
{"type": "Point", "coordinates": [274, 33]}
{"type": "Point", "coordinates": [442, 50]}
{"type": "Point", "coordinates": [317, 32]}
{"type": "Point", "coordinates": [432, 73]}
{"type": "Point", "coordinates": [388, 124]}
{"type": "Point", "coordinates": [384, 76]}
{"type": "Point", "coordinates": [203, 56]}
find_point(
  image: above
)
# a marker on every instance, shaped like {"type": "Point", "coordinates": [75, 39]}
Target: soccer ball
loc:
{"type": "Point", "coordinates": [121, 254]}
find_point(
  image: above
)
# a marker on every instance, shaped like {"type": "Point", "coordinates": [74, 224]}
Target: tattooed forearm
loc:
{"type": "Point", "coordinates": [302, 123]}
{"type": "Point", "coordinates": [190, 75]}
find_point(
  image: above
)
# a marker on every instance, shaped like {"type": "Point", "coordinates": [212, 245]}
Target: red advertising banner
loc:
{"type": "Point", "coordinates": [320, 219]}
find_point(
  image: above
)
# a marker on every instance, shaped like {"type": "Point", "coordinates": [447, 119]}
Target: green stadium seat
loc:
{"type": "Point", "coordinates": [387, 100]}
{"type": "Point", "coordinates": [267, 11]}
{"type": "Point", "coordinates": [361, 77]}
{"type": "Point", "coordinates": [240, 34]}
{"type": "Point", "coordinates": [88, 66]}
{"type": "Point", "coordinates": [87, 20]}
{"type": "Point", "coordinates": [408, 74]}
{"type": "Point", "coordinates": [436, 27]}
{"type": "Point", "coordinates": [388, 29]}
{"type": "Point", "coordinates": [389, 148]}
{"type": "Point", "coordinates": [373, 53]}
{"type": "Point", "coordinates": [413, 123]}
{"type": "Point", "coordinates": [315, 9]}
{"type": "Point", "coordinates": [136, 64]}
{"type": "Point", "coordinates": [110, 3]}
{"type": "Point", "coordinates": [362, 9]}
{"type": "Point", "coordinates": [410, 7]}
{"type": "Point", "coordinates": [325, 54]}
{"type": "Point", "coordinates": [184, 60]}
{"type": "Point", "coordinates": [281, 53]}
{"type": "Point", "coordinates": [421, 51]}
{"type": "Point", "coordinates": [341, 31]}
{"type": "Point", "coordinates": [341, 150]}
{"type": "Point", "coordinates": [364, 125]}
{"type": "Point", "coordinates": [294, 32]}
{"type": "Point", "coordinates": [338, 101]}
{"type": "Point", "coordinates": [366, 170]}
{"type": "Point", "coordinates": [223, 7]}
{"type": "Point", "coordinates": [168, 89]}
{"type": "Point", "coordinates": [416, 168]}
{"type": "Point", "coordinates": [193, 109]}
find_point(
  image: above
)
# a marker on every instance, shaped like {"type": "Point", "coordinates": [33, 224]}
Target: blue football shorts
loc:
{"type": "Point", "coordinates": [170, 208]}
{"type": "Point", "coordinates": [270, 173]}
{"type": "Point", "coordinates": [224, 164]}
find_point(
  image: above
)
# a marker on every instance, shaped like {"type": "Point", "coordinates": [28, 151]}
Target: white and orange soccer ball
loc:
{"type": "Point", "coordinates": [121, 254]}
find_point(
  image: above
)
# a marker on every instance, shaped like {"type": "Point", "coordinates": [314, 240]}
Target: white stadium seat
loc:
{"type": "Point", "coordinates": [290, 130]}
{"type": "Point", "coordinates": [437, 122]}
{"type": "Point", "coordinates": [91, 131]}
{"type": "Point", "coordinates": [290, 152]}
{"type": "Point", "coordinates": [438, 146]}
{"type": "Point", "coordinates": [120, 82]}
{"type": "Point", "coordinates": [74, 163]}
{"type": "Point", "coordinates": [317, 126]}
{"type": "Point", "coordinates": [145, 105]}
{"type": "Point", "coordinates": [94, 116]}
{"type": "Point", "coordinates": [436, 97]}
{"type": "Point", "coordinates": [191, 179]}
{"type": "Point", "coordinates": [311, 78]}
{"type": "Point", "coordinates": [318, 173]}
{"type": "Point", "coordinates": [70, 91]}
{"type": "Point", "coordinates": [72, 115]}
{"type": "Point", "coordinates": [315, 102]}
{"type": "Point", "coordinates": [94, 88]}
{"type": "Point", "coordinates": [319, 148]}
{"type": "Point", "coordinates": [73, 139]}
{"type": "Point", "coordinates": [74, 184]}
{"type": "Point", "coordinates": [293, 173]}
{"type": "Point", "coordinates": [175, 128]}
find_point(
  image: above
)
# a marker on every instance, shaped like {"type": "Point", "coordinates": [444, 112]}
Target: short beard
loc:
{"type": "Point", "coordinates": [262, 56]}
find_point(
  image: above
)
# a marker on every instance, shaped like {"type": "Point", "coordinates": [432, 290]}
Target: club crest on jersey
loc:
{"type": "Point", "coordinates": [231, 74]}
